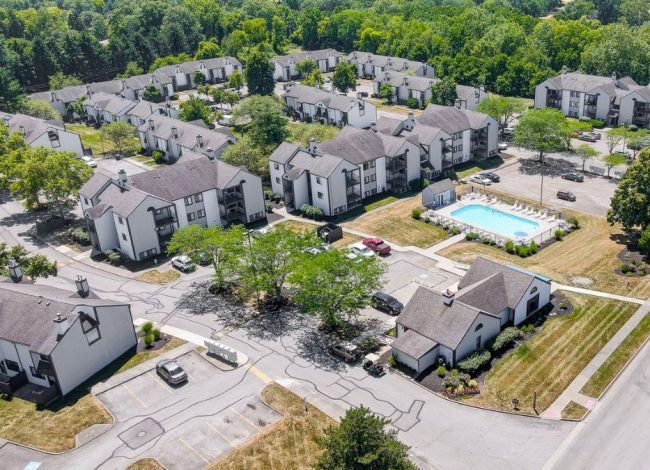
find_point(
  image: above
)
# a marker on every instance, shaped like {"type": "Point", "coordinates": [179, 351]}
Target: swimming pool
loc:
{"type": "Point", "coordinates": [495, 221]}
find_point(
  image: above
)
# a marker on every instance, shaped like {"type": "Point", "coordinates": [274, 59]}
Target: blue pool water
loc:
{"type": "Point", "coordinates": [495, 221]}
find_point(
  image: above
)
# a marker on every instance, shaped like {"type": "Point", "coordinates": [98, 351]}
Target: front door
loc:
{"type": "Point", "coordinates": [533, 305]}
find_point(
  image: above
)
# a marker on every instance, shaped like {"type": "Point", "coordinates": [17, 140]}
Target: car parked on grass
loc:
{"type": "Point", "coordinates": [171, 372]}
{"type": "Point", "coordinates": [183, 263]}
{"type": "Point", "coordinates": [491, 176]}
{"type": "Point", "coordinates": [502, 146]}
{"type": "Point", "coordinates": [386, 303]}
{"type": "Point", "coordinates": [566, 195]}
{"type": "Point", "coordinates": [360, 249]}
{"type": "Point", "coordinates": [377, 245]}
{"type": "Point", "coordinates": [346, 351]}
{"type": "Point", "coordinates": [587, 137]}
{"type": "Point", "coordinates": [480, 180]}
{"type": "Point", "coordinates": [89, 161]}
{"type": "Point", "coordinates": [573, 176]}
{"type": "Point", "coordinates": [627, 155]}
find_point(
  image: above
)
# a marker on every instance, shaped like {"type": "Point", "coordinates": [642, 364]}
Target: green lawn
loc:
{"type": "Point", "coordinates": [614, 363]}
{"type": "Point", "coordinates": [548, 362]}
{"type": "Point", "coordinates": [574, 411]}
{"type": "Point", "coordinates": [466, 170]}
{"type": "Point", "coordinates": [379, 203]}
{"type": "Point", "coordinates": [301, 132]}
{"type": "Point", "coordinates": [91, 138]}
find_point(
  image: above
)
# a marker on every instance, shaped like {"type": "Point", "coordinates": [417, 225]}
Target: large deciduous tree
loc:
{"type": "Point", "coordinates": [345, 77]}
{"type": "Point", "coordinates": [334, 287]}
{"type": "Point", "coordinates": [266, 123]}
{"type": "Point", "coordinates": [60, 80]}
{"type": "Point", "coordinates": [122, 135]}
{"type": "Point", "coordinates": [39, 109]}
{"type": "Point", "coordinates": [246, 153]}
{"type": "Point", "coordinates": [585, 152]}
{"type": "Point", "coordinates": [501, 108]}
{"type": "Point", "coordinates": [361, 442]}
{"type": "Point", "coordinates": [443, 92]}
{"type": "Point", "coordinates": [543, 130]}
{"type": "Point", "coordinates": [258, 73]}
{"type": "Point", "coordinates": [630, 205]}
{"type": "Point", "coordinates": [11, 95]}
{"type": "Point", "coordinates": [194, 109]}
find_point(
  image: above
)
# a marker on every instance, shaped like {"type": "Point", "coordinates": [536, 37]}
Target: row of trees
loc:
{"type": "Point", "coordinates": [276, 266]}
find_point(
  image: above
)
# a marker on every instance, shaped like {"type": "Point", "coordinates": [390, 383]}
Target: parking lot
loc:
{"type": "Point", "coordinates": [592, 196]}
{"type": "Point", "coordinates": [148, 391]}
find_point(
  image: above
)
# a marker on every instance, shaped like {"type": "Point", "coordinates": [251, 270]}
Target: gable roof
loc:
{"type": "Point", "coordinates": [575, 81]}
{"type": "Point", "coordinates": [122, 201]}
{"type": "Point", "coordinates": [197, 65]}
{"type": "Point", "coordinates": [187, 133]}
{"type": "Point", "coordinates": [112, 104]}
{"type": "Point", "coordinates": [313, 95]}
{"type": "Point", "coordinates": [441, 186]}
{"type": "Point", "coordinates": [32, 127]}
{"type": "Point", "coordinates": [320, 54]}
{"type": "Point", "coordinates": [399, 79]}
{"type": "Point", "coordinates": [414, 344]}
{"type": "Point", "coordinates": [451, 119]}
{"type": "Point", "coordinates": [27, 313]}
{"type": "Point", "coordinates": [94, 185]}
{"type": "Point", "coordinates": [388, 62]}
{"type": "Point", "coordinates": [361, 145]}
{"type": "Point", "coordinates": [143, 109]}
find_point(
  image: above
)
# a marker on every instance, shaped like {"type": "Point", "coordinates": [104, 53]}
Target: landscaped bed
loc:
{"type": "Point", "coordinates": [548, 362]}
{"type": "Point", "coordinates": [396, 224]}
{"type": "Point", "coordinates": [290, 443]}
{"type": "Point", "coordinates": [574, 411]}
{"type": "Point", "coordinates": [159, 277]}
{"type": "Point", "coordinates": [146, 464]}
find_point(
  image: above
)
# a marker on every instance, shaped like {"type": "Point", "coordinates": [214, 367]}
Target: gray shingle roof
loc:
{"type": "Point", "coordinates": [317, 55]}
{"type": "Point", "coordinates": [313, 95]}
{"type": "Point", "coordinates": [123, 201]}
{"type": "Point", "coordinates": [95, 212]}
{"type": "Point", "coordinates": [441, 186]}
{"type": "Point", "coordinates": [284, 152]}
{"type": "Point", "coordinates": [144, 109]}
{"type": "Point", "coordinates": [187, 133]}
{"type": "Point", "coordinates": [390, 63]}
{"type": "Point", "coordinates": [195, 66]}
{"type": "Point", "coordinates": [33, 127]}
{"type": "Point", "coordinates": [27, 313]}
{"type": "Point", "coordinates": [575, 81]}
{"type": "Point", "coordinates": [398, 79]}
{"type": "Point", "coordinates": [94, 185]}
{"type": "Point", "coordinates": [361, 145]}
{"type": "Point", "coordinates": [451, 119]}
{"type": "Point", "coordinates": [413, 344]}
{"type": "Point", "coordinates": [388, 125]}
{"type": "Point", "coordinates": [465, 92]}
{"type": "Point", "coordinates": [112, 104]}
{"type": "Point", "coordinates": [320, 164]}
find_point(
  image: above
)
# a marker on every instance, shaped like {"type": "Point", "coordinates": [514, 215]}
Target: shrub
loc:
{"type": "Point", "coordinates": [633, 128]}
{"type": "Point", "coordinates": [156, 334]}
{"type": "Point", "coordinates": [312, 212]}
{"type": "Point", "coordinates": [416, 213]}
{"type": "Point", "coordinates": [391, 360]}
{"type": "Point", "coordinates": [510, 246]}
{"type": "Point", "coordinates": [412, 103]}
{"type": "Point", "coordinates": [506, 338]}
{"type": "Point", "coordinates": [584, 119]}
{"type": "Point", "coordinates": [441, 371]}
{"type": "Point", "coordinates": [81, 236]}
{"type": "Point", "coordinates": [454, 231]}
{"type": "Point", "coordinates": [475, 362]}
{"type": "Point", "coordinates": [455, 372]}
{"type": "Point", "coordinates": [158, 156]}
{"type": "Point", "coordinates": [146, 327]}
{"type": "Point", "coordinates": [148, 339]}
{"type": "Point", "coordinates": [114, 257]}
{"type": "Point", "coordinates": [533, 247]}
{"type": "Point", "coordinates": [486, 241]}
{"type": "Point", "coordinates": [268, 194]}
{"type": "Point", "coordinates": [529, 328]}
{"type": "Point", "coordinates": [559, 233]}
{"type": "Point", "coordinates": [522, 250]}
{"type": "Point", "coordinates": [269, 207]}
{"type": "Point", "coordinates": [425, 182]}
{"type": "Point", "coordinates": [575, 223]}
{"type": "Point", "coordinates": [141, 150]}
{"type": "Point", "coordinates": [471, 236]}
{"type": "Point", "coordinates": [626, 268]}
{"type": "Point", "coordinates": [455, 381]}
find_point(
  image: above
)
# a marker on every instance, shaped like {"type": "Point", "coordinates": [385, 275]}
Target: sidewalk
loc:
{"type": "Point", "coordinates": [579, 290]}
{"type": "Point", "coordinates": [572, 392]}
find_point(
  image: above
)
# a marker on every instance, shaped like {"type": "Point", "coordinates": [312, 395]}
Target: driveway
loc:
{"type": "Point", "coordinates": [592, 196]}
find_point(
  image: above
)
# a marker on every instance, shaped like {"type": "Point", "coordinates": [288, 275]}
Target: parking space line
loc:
{"type": "Point", "coordinates": [221, 434]}
{"type": "Point", "coordinates": [193, 450]}
{"type": "Point", "coordinates": [135, 396]}
{"type": "Point", "coordinates": [247, 420]}
{"type": "Point", "coordinates": [160, 383]}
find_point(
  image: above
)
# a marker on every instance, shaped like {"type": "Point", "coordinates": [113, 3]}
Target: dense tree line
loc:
{"type": "Point", "coordinates": [502, 44]}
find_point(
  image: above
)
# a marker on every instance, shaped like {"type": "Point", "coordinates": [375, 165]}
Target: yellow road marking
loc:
{"type": "Point", "coordinates": [246, 419]}
{"type": "Point", "coordinates": [135, 396]}
{"type": "Point", "coordinates": [193, 450]}
{"type": "Point", "coordinates": [221, 434]}
{"type": "Point", "coordinates": [259, 374]}
{"type": "Point", "coordinates": [159, 383]}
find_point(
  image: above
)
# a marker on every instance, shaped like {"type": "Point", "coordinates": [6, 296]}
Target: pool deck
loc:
{"type": "Point", "coordinates": [546, 229]}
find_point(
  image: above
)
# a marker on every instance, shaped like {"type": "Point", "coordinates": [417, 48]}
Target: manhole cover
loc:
{"type": "Point", "coordinates": [143, 432]}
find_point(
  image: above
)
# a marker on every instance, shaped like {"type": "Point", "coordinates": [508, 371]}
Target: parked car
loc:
{"type": "Point", "coordinates": [627, 155]}
{"type": "Point", "coordinates": [171, 372]}
{"type": "Point", "coordinates": [363, 94]}
{"type": "Point", "coordinates": [89, 161]}
{"type": "Point", "coordinates": [346, 351]}
{"type": "Point", "coordinates": [372, 366]}
{"type": "Point", "coordinates": [480, 180]}
{"type": "Point", "coordinates": [502, 146]}
{"type": "Point", "coordinates": [587, 137]}
{"type": "Point", "coordinates": [378, 245]}
{"type": "Point", "coordinates": [508, 130]}
{"type": "Point", "coordinates": [328, 79]}
{"type": "Point", "coordinates": [566, 195]}
{"type": "Point", "coordinates": [573, 176]}
{"type": "Point", "coordinates": [183, 263]}
{"type": "Point", "coordinates": [361, 250]}
{"type": "Point", "coordinates": [386, 303]}
{"type": "Point", "coordinates": [491, 176]}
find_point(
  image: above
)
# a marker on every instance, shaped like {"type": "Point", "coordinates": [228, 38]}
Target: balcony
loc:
{"type": "Point", "coordinates": [396, 164]}
{"type": "Point", "coordinates": [234, 196]}
{"type": "Point", "coordinates": [235, 214]}
{"type": "Point", "coordinates": [165, 219]}
{"type": "Point", "coordinates": [352, 178]}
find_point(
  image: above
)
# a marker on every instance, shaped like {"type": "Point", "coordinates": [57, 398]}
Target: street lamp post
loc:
{"type": "Point", "coordinates": [541, 189]}
{"type": "Point", "coordinates": [250, 250]}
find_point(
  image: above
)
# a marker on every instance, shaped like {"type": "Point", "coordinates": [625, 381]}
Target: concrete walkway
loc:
{"type": "Point", "coordinates": [572, 392]}
{"type": "Point", "coordinates": [579, 290]}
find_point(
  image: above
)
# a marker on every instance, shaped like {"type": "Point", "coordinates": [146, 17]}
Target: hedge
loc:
{"type": "Point", "coordinates": [476, 361]}
{"type": "Point", "coordinates": [506, 338]}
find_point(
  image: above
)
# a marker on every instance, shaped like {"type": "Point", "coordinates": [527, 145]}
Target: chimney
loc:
{"type": "Point", "coordinates": [373, 126]}
{"type": "Point", "coordinates": [61, 324]}
{"type": "Point", "coordinates": [406, 81]}
{"type": "Point", "coordinates": [122, 178]}
{"type": "Point", "coordinates": [457, 103]}
{"type": "Point", "coordinates": [174, 132]}
{"type": "Point", "coordinates": [199, 141]}
{"type": "Point", "coordinates": [124, 87]}
{"type": "Point", "coordinates": [448, 297]}
{"type": "Point", "coordinates": [410, 122]}
{"type": "Point", "coordinates": [53, 97]}
{"type": "Point", "coordinates": [21, 129]}
{"type": "Point", "coordinates": [154, 80]}
{"type": "Point", "coordinates": [83, 289]}
{"type": "Point", "coordinates": [614, 78]}
{"type": "Point", "coordinates": [151, 125]}
{"type": "Point", "coordinates": [313, 146]}
{"type": "Point", "coordinates": [89, 92]}
{"type": "Point", "coordinates": [178, 69]}
{"type": "Point", "coordinates": [565, 70]}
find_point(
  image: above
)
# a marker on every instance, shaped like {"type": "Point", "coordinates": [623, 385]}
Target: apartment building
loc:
{"type": "Point", "coordinates": [214, 70]}
{"type": "Point", "coordinates": [340, 173]}
{"type": "Point", "coordinates": [104, 108]}
{"type": "Point", "coordinates": [373, 65]}
{"type": "Point", "coordinates": [614, 101]}
{"type": "Point", "coordinates": [140, 113]}
{"type": "Point", "coordinates": [311, 104]}
{"type": "Point", "coordinates": [39, 132]}
{"type": "Point", "coordinates": [285, 66]}
{"type": "Point", "coordinates": [137, 215]}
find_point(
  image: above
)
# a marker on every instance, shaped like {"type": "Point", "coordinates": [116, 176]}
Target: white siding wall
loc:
{"type": "Point", "coordinates": [544, 291]}
{"type": "Point", "coordinates": [211, 205]}
{"type": "Point", "coordinates": [321, 203]}
{"type": "Point", "coordinates": [275, 186]}
{"type": "Point", "coordinates": [253, 193]}
{"type": "Point", "coordinates": [540, 94]}
{"type": "Point", "coordinates": [381, 174]}
{"type": "Point", "coordinates": [123, 229]}
{"type": "Point", "coordinates": [70, 142]}
{"type": "Point", "coordinates": [20, 353]}
{"type": "Point", "coordinates": [301, 191]}
{"type": "Point", "coordinates": [362, 121]}
{"type": "Point", "coordinates": [491, 328]}
{"type": "Point", "coordinates": [106, 231]}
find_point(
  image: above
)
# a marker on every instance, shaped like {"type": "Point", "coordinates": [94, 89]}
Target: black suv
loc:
{"type": "Point", "coordinates": [492, 177]}
{"type": "Point", "coordinates": [573, 176]}
{"type": "Point", "coordinates": [566, 195]}
{"type": "Point", "coordinates": [387, 303]}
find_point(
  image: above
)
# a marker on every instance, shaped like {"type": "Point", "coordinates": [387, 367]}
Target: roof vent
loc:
{"type": "Point", "coordinates": [313, 146]}
{"type": "Point", "coordinates": [61, 323]}
{"type": "Point", "coordinates": [373, 126]}
{"type": "Point", "coordinates": [448, 297]}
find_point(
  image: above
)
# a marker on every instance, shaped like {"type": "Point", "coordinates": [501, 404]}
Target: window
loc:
{"type": "Point", "coordinates": [124, 237]}
{"type": "Point", "coordinates": [373, 177]}
{"type": "Point", "coordinates": [372, 164]}
{"type": "Point", "coordinates": [188, 201]}
{"type": "Point", "coordinates": [277, 179]}
{"type": "Point", "coordinates": [3, 368]}
{"type": "Point", "coordinates": [198, 197]}
{"type": "Point", "coordinates": [478, 327]}
{"type": "Point", "coordinates": [533, 290]}
{"type": "Point", "coordinates": [256, 216]}
{"type": "Point", "coordinates": [120, 219]}
{"type": "Point", "coordinates": [191, 216]}
{"type": "Point", "coordinates": [276, 166]}
{"type": "Point", "coordinates": [86, 200]}
{"type": "Point", "coordinates": [148, 253]}
{"type": "Point", "coordinates": [338, 210]}
{"type": "Point", "coordinates": [367, 193]}
{"type": "Point", "coordinates": [478, 342]}
{"type": "Point", "coordinates": [366, 179]}
{"type": "Point", "coordinates": [318, 180]}
{"type": "Point", "coordinates": [12, 365]}
{"type": "Point", "coordinates": [320, 195]}
{"type": "Point", "coordinates": [200, 213]}
{"type": "Point", "coordinates": [35, 374]}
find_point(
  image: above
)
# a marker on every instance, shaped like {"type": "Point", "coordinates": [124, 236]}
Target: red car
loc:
{"type": "Point", "coordinates": [378, 245]}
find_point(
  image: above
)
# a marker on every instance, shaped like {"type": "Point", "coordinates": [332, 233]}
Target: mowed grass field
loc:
{"type": "Point", "coordinates": [396, 225]}
{"type": "Point", "coordinates": [590, 252]}
{"type": "Point", "coordinates": [289, 444]}
{"type": "Point", "coordinates": [549, 362]}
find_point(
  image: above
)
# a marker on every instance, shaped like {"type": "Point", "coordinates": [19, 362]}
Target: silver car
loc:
{"type": "Point", "coordinates": [171, 372]}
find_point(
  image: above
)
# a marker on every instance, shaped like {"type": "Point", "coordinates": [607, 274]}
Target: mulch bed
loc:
{"type": "Point", "coordinates": [141, 347]}
{"type": "Point", "coordinates": [557, 299]}
{"type": "Point", "coordinates": [551, 167]}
